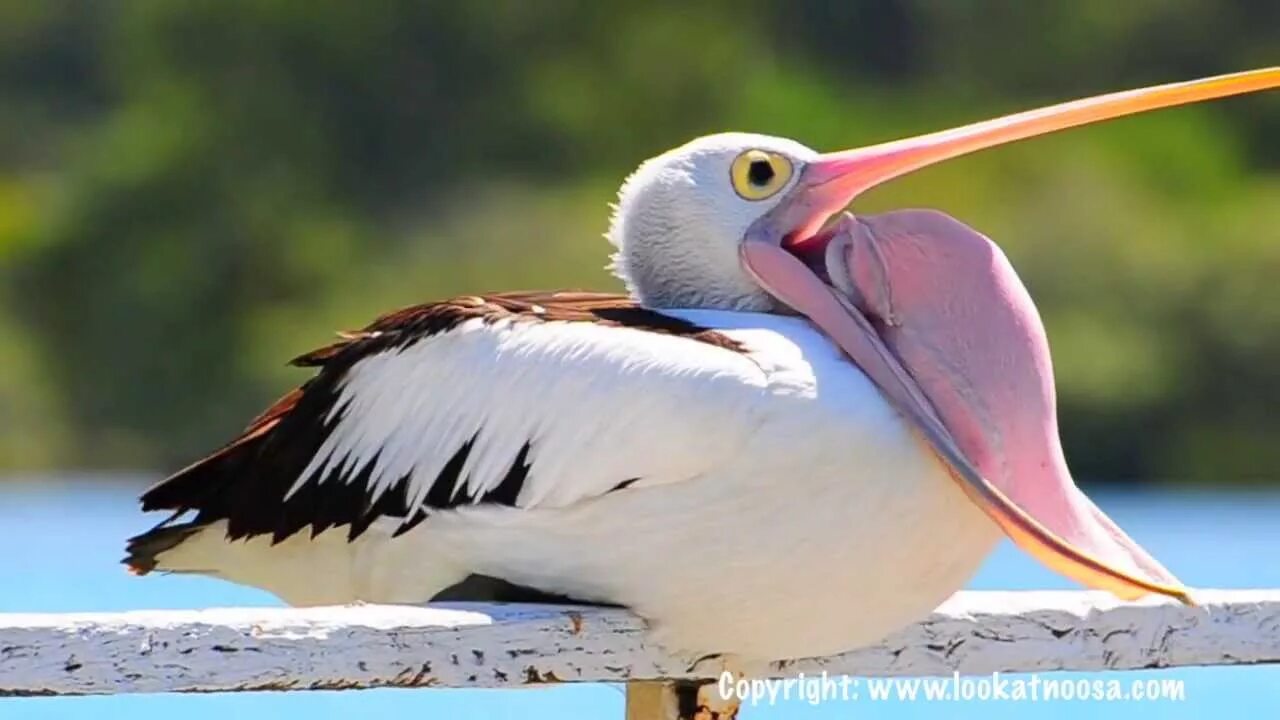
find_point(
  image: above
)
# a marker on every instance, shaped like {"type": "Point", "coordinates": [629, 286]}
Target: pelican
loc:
{"type": "Point", "coordinates": [799, 431]}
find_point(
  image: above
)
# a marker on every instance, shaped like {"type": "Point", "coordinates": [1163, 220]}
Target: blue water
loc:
{"type": "Point", "coordinates": [60, 541]}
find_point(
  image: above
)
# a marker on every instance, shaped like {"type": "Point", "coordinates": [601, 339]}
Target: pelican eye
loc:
{"type": "Point", "coordinates": [757, 174]}
{"type": "Point", "coordinates": [760, 173]}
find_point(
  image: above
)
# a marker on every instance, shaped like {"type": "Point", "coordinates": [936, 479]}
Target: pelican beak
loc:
{"type": "Point", "coordinates": [934, 314]}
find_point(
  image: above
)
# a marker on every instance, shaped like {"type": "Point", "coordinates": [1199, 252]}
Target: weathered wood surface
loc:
{"type": "Point", "coordinates": [512, 646]}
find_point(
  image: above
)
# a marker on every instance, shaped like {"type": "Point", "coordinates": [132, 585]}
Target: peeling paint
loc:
{"type": "Point", "coordinates": [511, 646]}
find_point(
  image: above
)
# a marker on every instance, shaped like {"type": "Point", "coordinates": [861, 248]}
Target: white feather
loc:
{"type": "Point", "coordinates": [589, 399]}
{"type": "Point", "coordinates": [783, 508]}
{"type": "Point", "coordinates": [678, 223]}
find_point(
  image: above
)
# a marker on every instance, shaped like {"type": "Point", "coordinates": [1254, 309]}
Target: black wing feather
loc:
{"type": "Point", "coordinates": [247, 482]}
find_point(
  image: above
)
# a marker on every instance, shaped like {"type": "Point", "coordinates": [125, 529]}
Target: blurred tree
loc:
{"type": "Point", "coordinates": [191, 193]}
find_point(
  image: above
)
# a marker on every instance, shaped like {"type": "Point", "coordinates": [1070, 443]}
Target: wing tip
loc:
{"type": "Point", "coordinates": [142, 551]}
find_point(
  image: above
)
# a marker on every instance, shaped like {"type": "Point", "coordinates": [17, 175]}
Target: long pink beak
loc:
{"type": "Point", "coordinates": [935, 315]}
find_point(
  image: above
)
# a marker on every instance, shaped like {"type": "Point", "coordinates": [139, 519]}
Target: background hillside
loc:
{"type": "Point", "coordinates": [192, 193]}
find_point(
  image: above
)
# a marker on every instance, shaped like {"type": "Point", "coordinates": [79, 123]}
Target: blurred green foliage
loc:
{"type": "Point", "coordinates": [192, 192]}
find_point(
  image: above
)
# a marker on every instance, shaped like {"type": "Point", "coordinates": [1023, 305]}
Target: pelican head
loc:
{"type": "Point", "coordinates": [681, 218]}
{"type": "Point", "coordinates": [685, 221]}
{"type": "Point", "coordinates": [928, 309]}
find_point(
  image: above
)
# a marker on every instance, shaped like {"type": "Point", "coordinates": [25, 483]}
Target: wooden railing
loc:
{"type": "Point", "coordinates": [494, 646]}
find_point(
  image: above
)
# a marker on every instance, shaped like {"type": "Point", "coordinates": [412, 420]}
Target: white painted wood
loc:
{"type": "Point", "coordinates": [511, 646]}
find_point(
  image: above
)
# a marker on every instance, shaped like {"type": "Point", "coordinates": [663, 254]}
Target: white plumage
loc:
{"type": "Point", "coordinates": [592, 401]}
{"type": "Point", "coordinates": [769, 484]}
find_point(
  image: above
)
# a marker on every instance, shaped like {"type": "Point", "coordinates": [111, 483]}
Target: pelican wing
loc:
{"type": "Point", "coordinates": [520, 399]}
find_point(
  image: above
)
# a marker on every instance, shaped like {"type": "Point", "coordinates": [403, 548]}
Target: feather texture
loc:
{"type": "Point", "coordinates": [441, 405]}
{"type": "Point", "coordinates": [730, 476]}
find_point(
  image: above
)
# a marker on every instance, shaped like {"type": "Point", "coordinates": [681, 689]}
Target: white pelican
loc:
{"type": "Point", "coordinates": [792, 438]}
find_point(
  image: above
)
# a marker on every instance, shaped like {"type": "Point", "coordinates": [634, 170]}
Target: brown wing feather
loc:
{"type": "Point", "coordinates": [560, 306]}
{"type": "Point", "coordinates": [247, 482]}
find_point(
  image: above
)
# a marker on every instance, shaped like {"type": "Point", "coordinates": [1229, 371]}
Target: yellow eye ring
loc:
{"type": "Point", "coordinates": [757, 174]}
